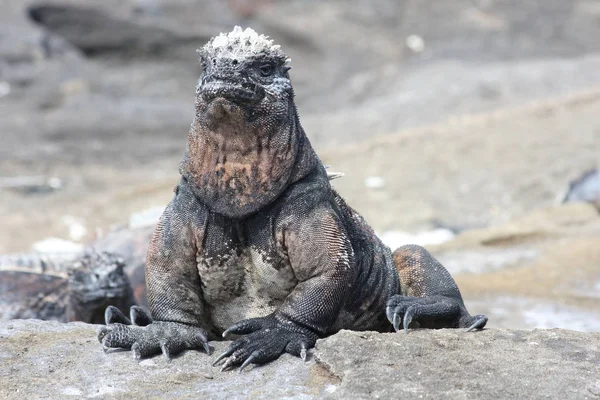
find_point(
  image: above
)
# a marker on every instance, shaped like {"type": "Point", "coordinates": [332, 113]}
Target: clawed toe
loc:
{"type": "Point", "coordinates": [478, 322]}
{"type": "Point", "coordinates": [408, 317]}
{"type": "Point", "coordinates": [222, 356]}
{"type": "Point", "coordinates": [428, 312]}
{"type": "Point", "coordinates": [400, 310]}
{"type": "Point", "coordinates": [206, 347]}
{"type": "Point", "coordinates": [113, 315]}
{"type": "Point", "coordinates": [105, 345]}
{"type": "Point", "coordinates": [232, 361]}
{"type": "Point", "coordinates": [396, 321]}
{"type": "Point", "coordinates": [253, 357]}
{"type": "Point", "coordinates": [303, 351]}
{"type": "Point", "coordinates": [136, 352]}
{"type": "Point", "coordinates": [139, 316]}
{"type": "Point", "coordinates": [145, 337]}
{"type": "Point", "coordinates": [165, 350]}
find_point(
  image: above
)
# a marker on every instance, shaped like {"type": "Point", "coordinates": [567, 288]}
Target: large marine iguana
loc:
{"type": "Point", "coordinates": [256, 242]}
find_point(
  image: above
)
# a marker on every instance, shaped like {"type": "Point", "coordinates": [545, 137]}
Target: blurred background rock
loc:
{"type": "Point", "coordinates": [465, 118]}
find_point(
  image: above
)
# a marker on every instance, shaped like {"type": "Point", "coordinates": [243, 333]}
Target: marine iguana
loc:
{"type": "Point", "coordinates": [257, 244]}
{"type": "Point", "coordinates": [63, 288]}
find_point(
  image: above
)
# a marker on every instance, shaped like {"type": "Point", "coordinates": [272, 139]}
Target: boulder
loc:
{"type": "Point", "coordinates": [54, 360]}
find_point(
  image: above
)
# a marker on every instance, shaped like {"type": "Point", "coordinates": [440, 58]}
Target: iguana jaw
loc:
{"type": "Point", "coordinates": [247, 93]}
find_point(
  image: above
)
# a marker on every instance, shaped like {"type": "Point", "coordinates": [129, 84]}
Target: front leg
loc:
{"type": "Point", "coordinates": [322, 260]}
{"type": "Point", "coordinates": [145, 337]}
{"type": "Point", "coordinates": [173, 287]}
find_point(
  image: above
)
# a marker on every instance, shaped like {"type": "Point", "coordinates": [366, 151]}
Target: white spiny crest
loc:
{"type": "Point", "coordinates": [242, 44]}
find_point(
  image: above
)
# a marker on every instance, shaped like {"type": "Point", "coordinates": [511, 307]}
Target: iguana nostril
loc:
{"type": "Point", "coordinates": [234, 62]}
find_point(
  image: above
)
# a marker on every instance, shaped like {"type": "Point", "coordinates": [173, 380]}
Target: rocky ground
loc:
{"type": "Point", "coordinates": [471, 116]}
{"type": "Point", "coordinates": [52, 360]}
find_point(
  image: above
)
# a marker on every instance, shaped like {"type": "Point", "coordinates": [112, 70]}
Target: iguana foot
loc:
{"type": "Point", "coordinates": [266, 340]}
{"type": "Point", "coordinates": [435, 300]}
{"type": "Point", "coordinates": [432, 312]}
{"type": "Point", "coordinates": [146, 337]}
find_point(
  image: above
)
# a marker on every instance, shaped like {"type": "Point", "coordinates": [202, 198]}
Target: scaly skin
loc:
{"type": "Point", "coordinates": [257, 243]}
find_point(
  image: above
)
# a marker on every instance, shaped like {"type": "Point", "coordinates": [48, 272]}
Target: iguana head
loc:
{"type": "Point", "coordinates": [246, 69]}
{"type": "Point", "coordinates": [97, 280]}
{"type": "Point", "coordinates": [246, 144]}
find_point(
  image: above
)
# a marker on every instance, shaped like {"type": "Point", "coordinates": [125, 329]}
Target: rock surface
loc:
{"type": "Point", "coordinates": [53, 360]}
{"type": "Point", "coordinates": [541, 270]}
{"type": "Point", "coordinates": [473, 171]}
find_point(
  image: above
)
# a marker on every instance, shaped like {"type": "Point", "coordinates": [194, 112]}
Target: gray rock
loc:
{"type": "Point", "coordinates": [53, 360]}
{"type": "Point", "coordinates": [96, 32]}
{"type": "Point", "coordinates": [114, 80]}
{"type": "Point", "coordinates": [493, 364]}
{"type": "Point", "coordinates": [585, 188]}
{"type": "Point", "coordinates": [522, 312]}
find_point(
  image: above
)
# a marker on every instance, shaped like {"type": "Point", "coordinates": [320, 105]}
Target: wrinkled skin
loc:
{"type": "Point", "coordinates": [257, 244]}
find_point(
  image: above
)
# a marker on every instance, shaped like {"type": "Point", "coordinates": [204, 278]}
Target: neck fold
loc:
{"type": "Point", "coordinates": [236, 169]}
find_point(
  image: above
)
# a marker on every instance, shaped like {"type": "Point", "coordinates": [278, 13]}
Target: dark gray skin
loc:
{"type": "Point", "coordinates": [256, 243]}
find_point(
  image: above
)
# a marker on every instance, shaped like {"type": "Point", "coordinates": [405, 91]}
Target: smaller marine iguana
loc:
{"type": "Point", "coordinates": [78, 287]}
{"type": "Point", "coordinates": [63, 288]}
{"type": "Point", "coordinates": [256, 243]}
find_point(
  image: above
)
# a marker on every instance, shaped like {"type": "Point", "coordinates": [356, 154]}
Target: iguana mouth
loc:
{"type": "Point", "coordinates": [247, 93]}
{"type": "Point", "coordinates": [101, 294]}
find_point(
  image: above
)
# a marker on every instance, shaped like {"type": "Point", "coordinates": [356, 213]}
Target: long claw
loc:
{"type": "Point", "coordinates": [396, 322]}
{"type": "Point", "coordinates": [230, 361]}
{"type": "Point", "coordinates": [222, 356]}
{"type": "Point", "coordinates": [249, 360]}
{"type": "Point", "coordinates": [408, 316]}
{"type": "Point", "coordinates": [112, 314]}
{"type": "Point", "coordinates": [226, 332]}
{"type": "Point", "coordinates": [334, 175]}
{"type": "Point", "coordinates": [206, 347]}
{"type": "Point", "coordinates": [105, 345]}
{"type": "Point", "coordinates": [135, 351]}
{"type": "Point", "coordinates": [303, 351]}
{"type": "Point", "coordinates": [478, 324]}
{"type": "Point", "coordinates": [165, 350]}
{"type": "Point", "coordinates": [139, 317]}
{"type": "Point", "coordinates": [389, 313]}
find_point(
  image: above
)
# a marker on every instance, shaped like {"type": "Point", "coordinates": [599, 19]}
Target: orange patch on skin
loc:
{"type": "Point", "coordinates": [411, 274]}
{"type": "Point", "coordinates": [229, 156]}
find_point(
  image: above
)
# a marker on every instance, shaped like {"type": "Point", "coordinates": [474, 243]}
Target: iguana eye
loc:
{"type": "Point", "coordinates": [266, 69]}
